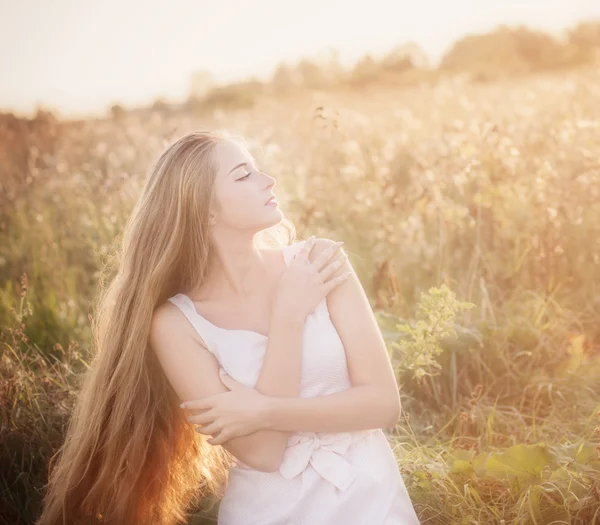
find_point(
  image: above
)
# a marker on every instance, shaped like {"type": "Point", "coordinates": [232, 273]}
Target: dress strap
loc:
{"type": "Point", "coordinates": [201, 325]}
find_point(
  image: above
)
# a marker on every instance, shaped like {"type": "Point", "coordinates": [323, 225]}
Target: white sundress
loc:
{"type": "Point", "coordinates": [342, 478]}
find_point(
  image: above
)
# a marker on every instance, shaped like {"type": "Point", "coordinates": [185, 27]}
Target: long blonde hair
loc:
{"type": "Point", "coordinates": [129, 456]}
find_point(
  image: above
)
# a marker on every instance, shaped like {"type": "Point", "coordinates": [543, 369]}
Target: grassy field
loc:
{"type": "Point", "coordinates": [471, 212]}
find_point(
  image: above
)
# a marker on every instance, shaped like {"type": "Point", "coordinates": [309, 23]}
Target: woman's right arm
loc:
{"type": "Point", "coordinates": [194, 374]}
{"type": "Point", "coordinates": [280, 375]}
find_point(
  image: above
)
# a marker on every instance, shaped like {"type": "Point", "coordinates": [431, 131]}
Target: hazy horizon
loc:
{"type": "Point", "coordinates": [78, 58]}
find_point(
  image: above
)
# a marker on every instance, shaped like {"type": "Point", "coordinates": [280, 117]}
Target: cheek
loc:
{"type": "Point", "coordinates": [236, 205]}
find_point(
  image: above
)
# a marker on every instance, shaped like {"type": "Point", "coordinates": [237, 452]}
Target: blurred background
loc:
{"type": "Point", "coordinates": [453, 146]}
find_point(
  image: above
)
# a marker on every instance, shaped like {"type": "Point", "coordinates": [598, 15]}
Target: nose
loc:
{"type": "Point", "coordinates": [270, 181]}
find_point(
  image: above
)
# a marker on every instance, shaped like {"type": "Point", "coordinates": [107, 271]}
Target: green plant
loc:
{"type": "Point", "coordinates": [418, 349]}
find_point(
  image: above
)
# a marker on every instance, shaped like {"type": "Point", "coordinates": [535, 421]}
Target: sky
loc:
{"type": "Point", "coordinates": [78, 57]}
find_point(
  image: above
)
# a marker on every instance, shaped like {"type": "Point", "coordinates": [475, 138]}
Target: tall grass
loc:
{"type": "Point", "coordinates": [471, 213]}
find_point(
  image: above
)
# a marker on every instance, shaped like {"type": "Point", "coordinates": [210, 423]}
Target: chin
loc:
{"type": "Point", "coordinates": [276, 217]}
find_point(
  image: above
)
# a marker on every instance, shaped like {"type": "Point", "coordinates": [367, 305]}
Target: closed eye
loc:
{"type": "Point", "coordinates": [252, 170]}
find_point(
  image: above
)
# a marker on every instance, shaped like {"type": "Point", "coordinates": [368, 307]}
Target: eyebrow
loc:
{"type": "Point", "coordinates": [239, 166]}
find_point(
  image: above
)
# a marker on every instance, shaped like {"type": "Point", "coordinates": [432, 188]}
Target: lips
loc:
{"type": "Point", "coordinates": [270, 199]}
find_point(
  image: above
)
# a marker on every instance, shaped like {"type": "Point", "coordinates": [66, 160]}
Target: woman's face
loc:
{"type": "Point", "coordinates": [242, 191]}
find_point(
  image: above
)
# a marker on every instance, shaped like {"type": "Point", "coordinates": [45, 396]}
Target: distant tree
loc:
{"type": "Point", "coordinates": [160, 105]}
{"type": "Point", "coordinates": [311, 74]}
{"type": "Point", "coordinates": [405, 57]}
{"type": "Point", "coordinates": [489, 52]}
{"type": "Point", "coordinates": [285, 77]}
{"type": "Point", "coordinates": [330, 64]}
{"type": "Point", "coordinates": [237, 95]}
{"type": "Point", "coordinates": [365, 70]}
{"type": "Point", "coordinates": [117, 111]}
{"type": "Point", "coordinates": [586, 35]}
{"type": "Point", "coordinates": [506, 51]}
{"type": "Point", "coordinates": [585, 41]}
{"type": "Point", "coordinates": [537, 48]}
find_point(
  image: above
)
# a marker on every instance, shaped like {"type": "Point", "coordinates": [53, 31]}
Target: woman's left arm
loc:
{"type": "Point", "coordinates": [373, 400]}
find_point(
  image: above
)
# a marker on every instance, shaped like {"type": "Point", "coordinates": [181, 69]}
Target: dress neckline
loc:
{"type": "Point", "coordinates": [232, 330]}
{"type": "Point", "coordinates": [237, 330]}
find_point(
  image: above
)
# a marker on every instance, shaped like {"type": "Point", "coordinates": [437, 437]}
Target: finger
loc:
{"type": "Point", "coordinates": [202, 419]}
{"type": "Point", "coordinates": [200, 430]}
{"type": "Point", "coordinates": [219, 439]}
{"type": "Point", "coordinates": [303, 254]}
{"type": "Point", "coordinates": [212, 428]}
{"type": "Point", "coordinates": [333, 267]}
{"type": "Point", "coordinates": [336, 281]}
{"type": "Point", "coordinates": [198, 404]}
{"type": "Point", "coordinates": [200, 412]}
{"type": "Point", "coordinates": [326, 254]}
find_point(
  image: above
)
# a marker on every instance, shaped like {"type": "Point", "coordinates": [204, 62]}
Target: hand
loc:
{"type": "Point", "coordinates": [304, 284]}
{"type": "Point", "coordinates": [229, 414]}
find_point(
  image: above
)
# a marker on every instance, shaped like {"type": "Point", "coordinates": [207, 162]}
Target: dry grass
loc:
{"type": "Point", "coordinates": [492, 190]}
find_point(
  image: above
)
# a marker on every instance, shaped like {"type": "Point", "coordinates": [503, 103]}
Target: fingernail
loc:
{"type": "Point", "coordinates": [182, 405]}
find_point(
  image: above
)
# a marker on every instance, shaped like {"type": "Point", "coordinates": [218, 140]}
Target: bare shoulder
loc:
{"type": "Point", "coordinates": [168, 319]}
{"type": "Point", "coordinates": [174, 340]}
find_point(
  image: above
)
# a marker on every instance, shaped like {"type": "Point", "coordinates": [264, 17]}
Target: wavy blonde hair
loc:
{"type": "Point", "coordinates": [129, 456]}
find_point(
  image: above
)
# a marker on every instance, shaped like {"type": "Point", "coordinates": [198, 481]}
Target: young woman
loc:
{"type": "Point", "coordinates": [206, 285]}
